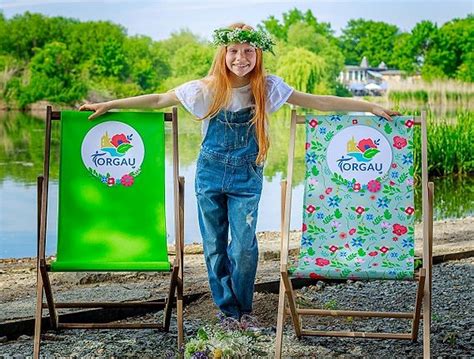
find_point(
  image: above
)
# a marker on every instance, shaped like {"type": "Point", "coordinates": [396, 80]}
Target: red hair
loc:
{"type": "Point", "coordinates": [219, 84]}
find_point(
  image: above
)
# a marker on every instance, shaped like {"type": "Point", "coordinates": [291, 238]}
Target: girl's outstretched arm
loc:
{"type": "Point", "coordinates": [334, 103]}
{"type": "Point", "coordinates": [154, 101]}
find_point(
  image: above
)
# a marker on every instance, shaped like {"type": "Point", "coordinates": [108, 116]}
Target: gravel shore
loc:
{"type": "Point", "coordinates": [452, 323]}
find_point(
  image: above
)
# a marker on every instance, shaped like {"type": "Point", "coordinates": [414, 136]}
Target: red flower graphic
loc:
{"type": "Point", "coordinates": [304, 227]}
{"type": "Point", "coordinates": [313, 123]}
{"type": "Point", "coordinates": [333, 248]}
{"type": "Point", "coordinates": [117, 140]}
{"type": "Point", "coordinates": [399, 230]}
{"type": "Point", "coordinates": [356, 187]}
{"type": "Point", "coordinates": [373, 254]}
{"type": "Point", "coordinates": [127, 180]}
{"type": "Point", "coordinates": [374, 186]}
{"type": "Point", "coordinates": [394, 165]}
{"type": "Point", "coordinates": [409, 210]}
{"type": "Point", "coordinates": [308, 145]}
{"type": "Point", "coordinates": [110, 181]}
{"type": "Point", "coordinates": [409, 123]}
{"type": "Point", "coordinates": [321, 262]}
{"type": "Point", "coordinates": [399, 142]}
{"type": "Point", "coordinates": [354, 121]}
{"type": "Point", "coordinates": [352, 231]}
{"type": "Point", "coordinates": [313, 275]}
{"type": "Point", "coordinates": [310, 209]}
{"type": "Point", "coordinates": [343, 235]}
{"type": "Point", "coordinates": [360, 210]}
{"type": "Point", "coordinates": [328, 190]}
{"type": "Point", "coordinates": [395, 239]}
{"type": "Point", "coordinates": [321, 196]}
{"type": "Point", "coordinates": [365, 144]}
{"type": "Point", "coordinates": [384, 249]}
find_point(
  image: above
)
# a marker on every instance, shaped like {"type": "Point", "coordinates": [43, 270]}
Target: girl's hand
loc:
{"type": "Point", "coordinates": [383, 112]}
{"type": "Point", "coordinates": [98, 108]}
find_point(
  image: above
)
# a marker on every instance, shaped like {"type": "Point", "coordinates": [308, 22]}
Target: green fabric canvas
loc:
{"type": "Point", "coordinates": [358, 212]}
{"type": "Point", "coordinates": [112, 193]}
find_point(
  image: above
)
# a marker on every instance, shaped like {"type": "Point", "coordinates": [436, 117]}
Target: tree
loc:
{"type": "Point", "coordinates": [280, 30]}
{"type": "Point", "coordinates": [52, 76]}
{"type": "Point", "coordinates": [368, 38]}
{"type": "Point", "coordinates": [302, 69]}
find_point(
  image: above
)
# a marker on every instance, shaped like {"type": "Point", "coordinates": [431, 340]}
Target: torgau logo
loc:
{"type": "Point", "coordinates": [359, 152]}
{"type": "Point", "coordinates": [113, 152]}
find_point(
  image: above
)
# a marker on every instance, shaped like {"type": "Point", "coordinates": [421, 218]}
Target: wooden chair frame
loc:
{"type": "Point", "coordinates": [287, 303]}
{"type": "Point", "coordinates": [43, 287]}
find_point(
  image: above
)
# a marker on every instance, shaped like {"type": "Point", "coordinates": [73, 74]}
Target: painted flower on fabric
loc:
{"type": "Point", "coordinates": [383, 202]}
{"type": "Point", "coordinates": [409, 210]}
{"type": "Point", "coordinates": [385, 225]}
{"type": "Point", "coordinates": [322, 130]}
{"type": "Point", "coordinates": [407, 243]}
{"type": "Point", "coordinates": [407, 159]}
{"type": "Point", "coordinates": [355, 121]}
{"type": "Point", "coordinates": [399, 229]}
{"type": "Point", "coordinates": [395, 239]}
{"type": "Point", "coordinates": [328, 190]}
{"type": "Point", "coordinates": [335, 224]}
{"type": "Point", "coordinates": [306, 241]}
{"type": "Point", "coordinates": [333, 248]}
{"type": "Point", "coordinates": [352, 231]}
{"type": "Point", "coordinates": [374, 186]}
{"type": "Point", "coordinates": [399, 142]}
{"type": "Point", "coordinates": [356, 187]}
{"type": "Point", "coordinates": [313, 275]}
{"type": "Point", "coordinates": [384, 249]}
{"type": "Point", "coordinates": [321, 262]}
{"type": "Point", "coordinates": [110, 181]}
{"type": "Point", "coordinates": [321, 196]}
{"type": "Point", "coordinates": [127, 180]}
{"type": "Point", "coordinates": [304, 228]}
{"type": "Point", "coordinates": [373, 197]}
{"type": "Point", "coordinates": [369, 217]}
{"type": "Point", "coordinates": [373, 253]}
{"type": "Point", "coordinates": [360, 210]}
{"type": "Point", "coordinates": [313, 123]}
{"type": "Point", "coordinates": [334, 201]}
{"type": "Point", "coordinates": [308, 145]}
{"type": "Point", "coordinates": [343, 235]}
{"type": "Point", "coordinates": [311, 157]}
{"type": "Point", "coordinates": [103, 179]}
{"type": "Point", "coordinates": [409, 123]}
{"type": "Point", "coordinates": [320, 215]}
{"type": "Point", "coordinates": [356, 242]}
{"type": "Point", "coordinates": [394, 174]}
{"type": "Point", "coordinates": [394, 165]}
{"type": "Point", "coordinates": [310, 209]}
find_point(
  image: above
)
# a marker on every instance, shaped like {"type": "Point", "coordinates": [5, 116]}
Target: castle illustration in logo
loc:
{"type": "Point", "coordinates": [363, 151]}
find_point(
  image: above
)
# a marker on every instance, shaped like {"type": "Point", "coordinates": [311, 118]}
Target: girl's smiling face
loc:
{"type": "Point", "coordinates": [240, 59]}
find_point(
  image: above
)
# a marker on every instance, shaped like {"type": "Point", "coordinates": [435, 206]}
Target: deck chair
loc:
{"type": "Point", "coordinates": [111, 210]}
{"type": "Point", "coordinates": [358, 216]}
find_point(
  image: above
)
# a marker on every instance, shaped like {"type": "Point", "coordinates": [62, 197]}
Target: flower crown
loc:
{"type": "Point", "coordinates": [259, 39]}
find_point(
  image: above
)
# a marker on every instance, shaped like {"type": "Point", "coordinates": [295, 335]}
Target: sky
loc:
{"type": "Point", "coordinates": [159, 18]}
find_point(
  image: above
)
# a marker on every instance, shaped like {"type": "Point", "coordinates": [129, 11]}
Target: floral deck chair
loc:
{"type": "Point", "coordinates": [111, 212]}
{"type": "Point", "coordinates": [358, 216]}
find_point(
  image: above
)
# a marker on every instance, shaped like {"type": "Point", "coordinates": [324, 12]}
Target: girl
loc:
{"type": "Point", "coordinates": [233, 101]}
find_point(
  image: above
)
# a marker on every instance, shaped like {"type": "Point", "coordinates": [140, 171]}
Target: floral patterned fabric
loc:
{"type": "Point", "coordinates": [358, 212]}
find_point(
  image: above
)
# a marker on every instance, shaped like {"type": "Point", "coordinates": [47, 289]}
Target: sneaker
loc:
{"type": "Point", "coordinates": [249, 322]}
{"type": "Point", "coordinates": [228, 323]}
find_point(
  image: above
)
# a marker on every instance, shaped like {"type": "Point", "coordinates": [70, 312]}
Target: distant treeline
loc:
{"type": "Point", "coordinates": [64, 60]}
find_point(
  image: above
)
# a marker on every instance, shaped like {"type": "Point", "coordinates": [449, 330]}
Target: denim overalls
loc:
{"type": "Point", "coordinates": [228, 188]}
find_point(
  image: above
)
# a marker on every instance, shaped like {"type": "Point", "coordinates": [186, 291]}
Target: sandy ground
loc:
{"type": "Point", "coordinates": [18, 276]}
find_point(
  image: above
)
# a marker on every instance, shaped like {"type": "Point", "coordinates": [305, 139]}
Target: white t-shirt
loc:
{"type": "Point", "coordinates": [194, 96]}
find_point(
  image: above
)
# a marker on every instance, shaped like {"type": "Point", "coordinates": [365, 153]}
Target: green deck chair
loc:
{"type": "Point", "coordinates": [358, 216]}
{"type": "Point", "coordinates": [111, 212]}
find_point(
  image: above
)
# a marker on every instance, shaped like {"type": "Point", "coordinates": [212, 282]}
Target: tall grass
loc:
{"type": "Point", "coordinates": [450, 145]}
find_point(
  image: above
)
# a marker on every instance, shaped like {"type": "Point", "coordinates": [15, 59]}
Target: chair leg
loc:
{"type": "Point", "coordinates": [53, 315]}
{"type": "Point", "coordinates": [418, 303]}
{"type": "Point", "coordinates": [280, 320]}
{"type": "Point", "coordinates": [38, 315]}
{"type": "Point", "coordinates": [171, 298]}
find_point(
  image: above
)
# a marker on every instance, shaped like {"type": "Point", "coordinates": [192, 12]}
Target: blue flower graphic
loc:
{"type": "Point", "coordinates": [383, 202]}
{"type": "Point", "coordinates": [311, 157]}
{"type": "Point", "coordinates": [334, 201]}
{"type": "Point", "coordinates": [407, 159]}
{"type": "Point", "coordinates": [357, 242]}
{"type": "Point", "coordinates": [320, 215]}
{"type": "Point", "coordinates": [322, 130]}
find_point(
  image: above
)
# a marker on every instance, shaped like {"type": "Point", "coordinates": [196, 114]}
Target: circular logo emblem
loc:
{"type": "Point", "coordinates": [113, 152]}
{"type": "Point", "coordinates": [359, 153]}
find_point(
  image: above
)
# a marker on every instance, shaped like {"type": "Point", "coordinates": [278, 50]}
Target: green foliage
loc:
{"type": "Point", "coordinates": [281, 30]}
{"type": "Point", "coordinates": [373, 39]}
{"type": "Point", "coordinates": [302, 69]}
